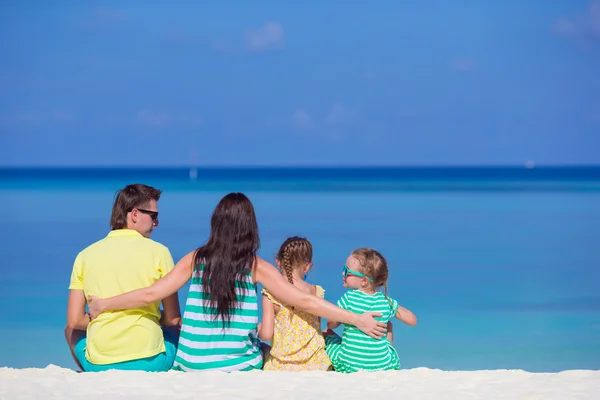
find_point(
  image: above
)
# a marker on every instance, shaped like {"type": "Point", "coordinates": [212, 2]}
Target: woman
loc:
{"type": "Point", "coordinates": [219, 328]}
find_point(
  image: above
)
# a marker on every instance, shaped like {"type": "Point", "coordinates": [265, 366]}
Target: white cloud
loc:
{"type": "Point", "coordinates": [408, 113]}
{"type": "Point", "coordinates": [464, 65]}
{"type": "Point", "coordinates": [337, 115]}
{"type": "Point", "coordinates": [181, 38]}
{"type": "Point", "coordinates": [585, 26]}
{"type": "Point", "coordinates": [161, 119]}
{"type": "Point", "coordinates": [270, 36]}
{"type": "Point", "coordinates": [103, 17]}
{"type": "Point", "coordinates": [105, 14]}
{"type": "Point", "coordinates": [34, 117]}
{"type": "Point", "coordinates": [301, 120]}
{"type": "Point", "coordinates": [62, 116]}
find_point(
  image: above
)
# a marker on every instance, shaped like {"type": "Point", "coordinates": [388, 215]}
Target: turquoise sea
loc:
{"type": "Point", "coordinates": [500, 265]}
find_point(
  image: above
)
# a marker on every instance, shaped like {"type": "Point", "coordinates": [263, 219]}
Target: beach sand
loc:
{"type": "Point", "coordinates": [420, 383]}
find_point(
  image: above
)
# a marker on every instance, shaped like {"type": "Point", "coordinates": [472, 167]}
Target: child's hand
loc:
{"type": "Point", "coordinates": [333, 324]}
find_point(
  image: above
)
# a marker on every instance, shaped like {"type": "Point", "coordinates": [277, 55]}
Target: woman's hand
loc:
{"type": "Point", "coordinates": [95, 306]}
{"type": "Point", "coordinates": [266, 274]}
{"type": "Point", "coordinates": [368, 324]}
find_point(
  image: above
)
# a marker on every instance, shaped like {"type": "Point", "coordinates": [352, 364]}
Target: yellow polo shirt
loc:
{"type": "Point", "coordinates": [121, 262]}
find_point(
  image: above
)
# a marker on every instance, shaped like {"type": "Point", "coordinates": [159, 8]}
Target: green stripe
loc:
{"type": "Point", "coordinates": [219, 364]}
{"type": "Point", "coordinates": [354, 346]}
{"type": "Point", "coordinates": [374, 354]}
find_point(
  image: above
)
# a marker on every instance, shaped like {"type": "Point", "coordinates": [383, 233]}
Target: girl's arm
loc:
{"type": "Point", "coordinates": [161, 289]}
{"type": "Point", "coordinates": [406, 316]}
{"type": "Point", "coordinates": [265, 333]}
{"type": "Point", "coordinates": [281, 289]}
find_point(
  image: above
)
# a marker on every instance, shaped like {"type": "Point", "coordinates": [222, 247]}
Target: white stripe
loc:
{"type": "Point", "coordinates": [203, 303]}
{"type": "Point", "coordinates": [215, 345]}
{"type": "Point", "coordinates": [217, 331]}
{"type": "Point", "coordinates": [211, 318]}
{"type": "Point", "coordinates": [232, 368]}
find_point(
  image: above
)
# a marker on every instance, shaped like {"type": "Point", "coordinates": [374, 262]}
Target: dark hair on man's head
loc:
{"type": "Point", "coordinates": [128, 198]}
{"type": "Point", "coordinates": [229, 252]}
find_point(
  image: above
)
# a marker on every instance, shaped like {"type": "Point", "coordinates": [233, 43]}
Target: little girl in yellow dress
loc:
{"type": "Point", "coordinates": [296, 340]}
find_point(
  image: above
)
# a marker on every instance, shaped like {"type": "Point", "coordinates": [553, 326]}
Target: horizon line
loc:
{"type": "Point", "coordinates": [322, 166]}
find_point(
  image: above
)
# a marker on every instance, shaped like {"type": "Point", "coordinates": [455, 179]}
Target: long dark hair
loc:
{"type": "Point", "coordinates": [229, 252]}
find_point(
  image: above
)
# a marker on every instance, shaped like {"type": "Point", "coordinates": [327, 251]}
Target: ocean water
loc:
{"type": "Point", "coordinates": [500, 265]}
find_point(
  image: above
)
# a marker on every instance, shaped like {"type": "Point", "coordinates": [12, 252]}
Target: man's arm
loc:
{"type": "Point", "coordinates": [77, 318]}
{"type": "Point", "coordinates": [171, 314]}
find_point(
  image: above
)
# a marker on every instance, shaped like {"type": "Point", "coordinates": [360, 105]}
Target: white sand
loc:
{"type": "Point", "coordinates": [420, 383]}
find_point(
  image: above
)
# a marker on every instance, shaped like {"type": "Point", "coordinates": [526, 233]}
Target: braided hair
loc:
{"type": "Point", "coordinates": [294, 252]}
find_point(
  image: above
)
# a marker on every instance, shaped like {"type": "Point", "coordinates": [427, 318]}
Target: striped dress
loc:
{"type": "Point", "coordinates": [356, 351]}
{"type": "Point", "coordinates": [205, 345]}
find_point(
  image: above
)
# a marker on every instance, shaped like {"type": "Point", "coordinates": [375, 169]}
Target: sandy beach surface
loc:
{"type": "Point", "coordinates": [420, 383]}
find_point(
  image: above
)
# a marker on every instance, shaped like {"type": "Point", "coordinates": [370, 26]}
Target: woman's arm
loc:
{"type": "Point", "coordinates": [76, 315]}
{"type": "Point", "coordinates": [265, 332]}
{"type": "Point", "coordinates": [161, 289]}
{"type": "Point", "coordinates": [406, 316]}
{"type": "Point", "coordinates": [273, 281]}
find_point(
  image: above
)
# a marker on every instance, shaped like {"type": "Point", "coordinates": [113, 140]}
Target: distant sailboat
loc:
{"type": "Point", "coordinates": [193, 168]}
{"type": "Point", "coordinates": [529, 164]}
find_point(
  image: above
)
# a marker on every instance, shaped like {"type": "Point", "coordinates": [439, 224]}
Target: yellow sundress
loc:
{"type": "Point", "coordinates": [297, 343]}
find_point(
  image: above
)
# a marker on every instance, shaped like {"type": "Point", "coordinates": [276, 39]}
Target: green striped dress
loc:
{"type": "Point", "coordinates": [355, 351]}
{"type": "Point", "coordinates": [205, 345]}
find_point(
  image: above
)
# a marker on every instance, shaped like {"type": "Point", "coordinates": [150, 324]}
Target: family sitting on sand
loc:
{"type": "Point", "coordinates": [123, 278]}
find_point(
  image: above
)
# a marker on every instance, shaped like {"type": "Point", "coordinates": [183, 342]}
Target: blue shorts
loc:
{"type": "Point", "coordinates": [158, 363]}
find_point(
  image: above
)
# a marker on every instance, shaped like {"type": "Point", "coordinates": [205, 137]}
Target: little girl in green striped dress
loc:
{"type": "Point", "coordinates": [364, 273]}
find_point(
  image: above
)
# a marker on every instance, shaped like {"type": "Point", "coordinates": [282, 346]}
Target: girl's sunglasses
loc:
{"type": "Point", "coordinates": [347, 271]}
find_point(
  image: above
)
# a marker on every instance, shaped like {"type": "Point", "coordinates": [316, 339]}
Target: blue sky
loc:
{"type": "Point", "coordinates": [399, 82]}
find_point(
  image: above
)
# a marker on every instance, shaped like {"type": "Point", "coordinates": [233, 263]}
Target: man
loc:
{"type": "Point", "coordinates": [125, 260]}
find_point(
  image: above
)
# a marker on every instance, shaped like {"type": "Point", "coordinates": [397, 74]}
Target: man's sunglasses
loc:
{"type": "Point", "coordinates": [347, 271]}
{"type": "Point", "coordinates": [152, 214]}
